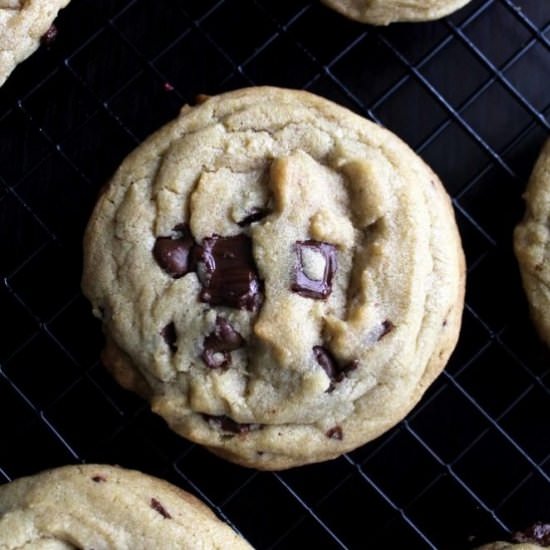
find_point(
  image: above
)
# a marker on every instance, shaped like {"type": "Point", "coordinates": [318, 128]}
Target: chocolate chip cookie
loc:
{"type": "Point", "coordinates": [23, 23]}
{"type": "Point", "coordinates": [384, 12]}
{"type": "Point", "coordinates": [280, 277]}
{"type": "Point", "coordinates": [97, 506]}
{"type": "Point", "coordinates": [536, 537]}
{"type": "Point", "coordinates": [531, 244]}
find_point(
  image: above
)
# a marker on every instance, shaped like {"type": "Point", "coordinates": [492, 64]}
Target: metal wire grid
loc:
{"type": "Point", "coordinates": [470, 463]}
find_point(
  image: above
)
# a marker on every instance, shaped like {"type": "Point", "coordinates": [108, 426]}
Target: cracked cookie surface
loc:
{"type": "Point", "coordinates": [22, 24]}
{"type": "Point", "coordinates": [99, 506]}
{"type": "Point", "coordinates": [532, 244]}
{"type": "Point", "coordinates": [384, 12]}
{"type": "Point", "coordinates": [280, 277]}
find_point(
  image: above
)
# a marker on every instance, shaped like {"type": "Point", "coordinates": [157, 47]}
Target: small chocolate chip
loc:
{"type": "Point", "coordinates": [230, 277]}
{"type": "Point", "coordinates": [387, 327]}
{"type": "Point", "coordinates": [49, 36]}
{"type": "Point", "coordinates": [256, 214]}
{"type": "Point", "coordinates": [310, 288]}
{"type": "Point", "coordinates": [173, 254]}
{"type": "Point", "coordinates": [334, 371]}
{"type": "Point", "coordinates": [335, 433]}
{"type": "Point", "coordinates": [158, 507]}
{"type": "Point", "coordinates": [227, 424]}
{"type": "Point", "coordinates": [538, 533]}
{"type": "Point", "coordinates": [170, 336]}
{"type": "Point", "coordinates": [219, 343]}
{"type": "Point", "coordinates": [99, 479]}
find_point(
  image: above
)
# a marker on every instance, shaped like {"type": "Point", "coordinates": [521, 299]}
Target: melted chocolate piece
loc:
{"type": "Point", "coordinates": [48, 38]}
{"type": "Point", "coordinates": [173, 254]}
{"type": "Point", "coordinates": [230, 276]}
{"type": "Point", "coordinates": [170, 336]}
{"type": "Point", "coordinates": [227, 424]}
{"type": "Point", "coordinates": [310, 288]}
{"type": "Point", "coordinates": [99, 479]}
{"type": "Point", "coordinates": [327, 361]}
{"type": "Point", "coordinates": [334, 371]}
{"type": "Point", "coordinates": [538, 533]}
{"type": "Point", "coordinates": [158, 507]}
{"type": "Point", "coordinates": [255, 215]}
{"type": "Point", "coordinates": [387, 326]}
{"type": "Point", "coordinates": [335, 433]}
{"type": "Point", "coordinates": [223, 340]}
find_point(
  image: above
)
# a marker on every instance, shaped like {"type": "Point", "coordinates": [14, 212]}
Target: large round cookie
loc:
{"type": "Point", "coordinates": [280, 277]}
{"type": "Point", "coordinates": [531, 244]}
{"type": "Point", "coordinates": [97, 506]}
{"type": "Point", "coordinates": [383, 12]}
{"type": "Point", "coordinates": [22, 25]}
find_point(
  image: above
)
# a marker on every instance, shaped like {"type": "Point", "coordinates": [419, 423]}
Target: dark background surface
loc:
{"type": "Point", "coordinates": [470, 93]}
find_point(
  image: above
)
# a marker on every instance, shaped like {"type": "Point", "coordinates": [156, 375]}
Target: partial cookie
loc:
{"type": "Point", "coordinates": [532, 244]}
{"type": "Point", "coordinates": [22, 24]}
{"type": "Point", "coordinates": [97, 506]}
{"type": "Point", "coordinates": [384, 12]}
{"type": "Point", "coordinates": [282, 278]}
{"type": "Point", "coordinates": [536, 537]}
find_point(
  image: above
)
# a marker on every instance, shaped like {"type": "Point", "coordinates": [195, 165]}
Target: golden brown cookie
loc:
{"type": "Point", "coordinates": [280, 277]}
{"type": "Point", "coordinates": [531, 244]}
{"type": "Point", "coordinates": [98, 506]}
{"type": "Point", "coordinates": [384, 12]}
{"type": "Point", "coordinates": [22, 24]}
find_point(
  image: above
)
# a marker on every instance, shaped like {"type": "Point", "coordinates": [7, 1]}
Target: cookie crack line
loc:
{"type": "Point", "coordinates": [346, 235]}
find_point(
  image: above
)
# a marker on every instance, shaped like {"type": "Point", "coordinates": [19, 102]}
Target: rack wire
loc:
{"type": "Point", "coordinates": [470, 93]}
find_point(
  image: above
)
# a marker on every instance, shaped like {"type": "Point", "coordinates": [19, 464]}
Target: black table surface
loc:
{"type": "Point", "coordinates": [470, 93]}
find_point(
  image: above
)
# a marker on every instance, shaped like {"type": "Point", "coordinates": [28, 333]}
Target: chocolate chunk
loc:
{"type": "Point", "coordinates": [255, 215]}
{"type": "Point", "coordinates": [538, 533]}
{"type": "Point", "coordinates": [218, 344]}
{"type": "Point", "coordinates": [335, 433]}
{"type": "Point", "coordinates": [48, 38]}
{"type": "Point", "coordinates": [229, 276]}
{"type": "Point", "coordinates": [327, 361]}
{"type": "Point", "coordinates": [158, 507]}
{"type": "Point", "coordinates": [173, 253]}
{"type": "Point", "coordinates": [334, 371]}
{"type": "Point", "coordinates": [227, 424]}
{"type": "Point", "coordinates": [387, 327]}
{"type": "Point", "coordinates": [303, 284]}
{"type": "Point", "coordinates": [99, 479]}
{"type": "Point", "coordinates": [170, 336]}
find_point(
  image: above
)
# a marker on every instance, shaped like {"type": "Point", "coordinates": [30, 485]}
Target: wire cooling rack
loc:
{"type": "Point", "coordinates": [470, 93]}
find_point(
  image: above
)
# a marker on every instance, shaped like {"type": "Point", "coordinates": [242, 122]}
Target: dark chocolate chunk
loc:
{"type": "Point", "coordinates": [335, 433]}
{"type": "Point", "coordinates": [387, 327]}
{"type": "Point", "coordinates": [218, 344]}
{"type": "Point", "coordinates": [170, 336]}
{"type": "Point", "coordinates": [158, 507]}
{"type": "Point", "coordinates": [173, 254]}
{"type": "Point", "coordinates": [310, 288]}
{"type": "Point", "coordinates": [49, 36]}
{"type": "Point", "coordinates": [326, 360]}
{"type": "Point", "coordinates": [230, 277]}
{"type": "Point", "coordinates": [227, 424]}
{"type": "Point", "coordinates": [334, 371]}
{"type": "Point", "coordinates": [99, 479]}
{"type": "Point", "coordinates": [538, 533]}
{"type": "Point", "coordinates": [255, 215]}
